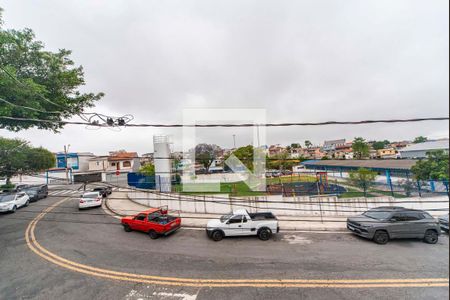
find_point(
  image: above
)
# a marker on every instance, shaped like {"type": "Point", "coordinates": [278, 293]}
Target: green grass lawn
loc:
{"type": "Point", "coordinates": [354, 193]}
{"type": "Point", "coordinates": [234, 189]}
{"type": "Point", "coordinates": [239, 188]}
{"type": "Point", "coordinates": [289, 179]}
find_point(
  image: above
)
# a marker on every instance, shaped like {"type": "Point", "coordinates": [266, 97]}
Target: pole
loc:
{"type": "Point", "coordinates": [234, 141]}
{"type": "Point", "coordinates": [66, 150]}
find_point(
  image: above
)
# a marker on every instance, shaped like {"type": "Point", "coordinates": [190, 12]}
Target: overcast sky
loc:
{"type": "Point", "coordinates": [299, 60]}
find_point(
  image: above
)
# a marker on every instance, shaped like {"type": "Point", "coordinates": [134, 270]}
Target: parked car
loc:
{"type": "Point", "coordinates": [36, 192]}
{"type": "Point", "coordinates": [90, 199]}
{"type": "Point", "coordinates": [16, 188]}
{"type": "Point", "coordinates": [443, 221]}
{"type": "Point", "coordinates": [155, 222]}
{"type": "Point", "coordinates": [243, 223]}
{"type": "Point", "coordinates": [12, 201]}
{"type": "Point", "coordinates": [385, 223]}
{"type": "Point", "coordinates": [103, 190]}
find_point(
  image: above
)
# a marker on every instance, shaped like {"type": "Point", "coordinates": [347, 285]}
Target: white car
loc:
{"type": "Point", "coordinates": [9, 202]}
{"type": "Point", "coordinates": [91, 199]}
{"type": "Point", "coordinates": [241, 223]}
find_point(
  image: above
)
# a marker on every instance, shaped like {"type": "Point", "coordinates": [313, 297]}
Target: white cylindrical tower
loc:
{"type": "Point", "coordinates": [163, 163]}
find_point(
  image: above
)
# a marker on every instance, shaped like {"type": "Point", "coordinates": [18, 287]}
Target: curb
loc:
{"type": "Point", "coordinates": [194, 227]}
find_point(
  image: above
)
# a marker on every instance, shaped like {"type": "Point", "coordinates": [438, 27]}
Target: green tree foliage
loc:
{"type": "Point", "coordinates": [363, 178]}
{"type": "Point", "coordinates": [420, 139]}
{"type": "Point", "coordinates": [308, 144]}
{"type": "Point", "coordinates": [281, 162]}
{"type": "Point", "coordinates": [47, 82]}
{"type": "Point", "coordinates": [360, 148]}
{"type": "Point", "coordinates": [295, 145]}
{"type": "Point", "coordinates": [434, 167]}
{"type": "Point", "coordinates": [17, 157]}
{"type": "Point", "coordinates": [147, 169]}
{"type": "Point", "coordinates": [205, 154]}
{"type": "Point", "coordinates": [245, 155]}
{"type": "Point", "coordinates": [378, 145]}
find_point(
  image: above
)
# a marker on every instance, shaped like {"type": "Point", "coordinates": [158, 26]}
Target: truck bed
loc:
{"type": "Point", "coordinates": [262, 216]}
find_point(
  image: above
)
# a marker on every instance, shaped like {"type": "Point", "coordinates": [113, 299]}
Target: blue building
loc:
{"type": "Point", "coordinates": [78, 162]}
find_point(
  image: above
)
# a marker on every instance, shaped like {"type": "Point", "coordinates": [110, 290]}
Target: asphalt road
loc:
{"type": "Point", "coordinates": [96, 239]}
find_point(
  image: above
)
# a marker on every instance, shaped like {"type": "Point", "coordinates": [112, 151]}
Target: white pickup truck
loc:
{"type": "Point", "coordinates": [241, 223]}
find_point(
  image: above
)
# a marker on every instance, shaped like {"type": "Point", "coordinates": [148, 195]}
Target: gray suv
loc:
{"type": "Point", "coordinates": [384, 223]}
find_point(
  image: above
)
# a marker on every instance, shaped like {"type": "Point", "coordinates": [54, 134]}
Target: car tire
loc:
{"type": "Point", "coordinates": [431, 237]}
{"type": "Point", "coordinates": [13, 210]}
{"type": "Point", "coordinates": [217, 236]}
{"type": "Point", "coordinates": [381, 237]}
{"type": "Point", "coordinates": [264, 234]}
{"type": "Point", "coordinates": [27, 203]}
{"type": "Point", "coordinates": [153, 234]}
{"type": "Point", "coordinates": [127, 228]}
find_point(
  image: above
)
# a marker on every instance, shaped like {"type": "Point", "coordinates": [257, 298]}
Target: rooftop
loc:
{"type": "Point", "coordinates": [397, 164]}
{"type": "Point", "coordinates": [433, 145]}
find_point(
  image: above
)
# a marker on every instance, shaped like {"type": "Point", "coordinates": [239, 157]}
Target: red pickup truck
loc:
{"type": "Point", "coordinates": [155, 222]}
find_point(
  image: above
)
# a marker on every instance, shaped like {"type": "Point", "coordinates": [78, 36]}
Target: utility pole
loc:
{"type": "Point", "coordinates": [234, 141]}
{"type": "Point", "coordinates": [66, 150]}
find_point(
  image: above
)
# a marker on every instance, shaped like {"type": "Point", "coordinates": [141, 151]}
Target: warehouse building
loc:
{"type": "Point", "coordinates": [417, 151]}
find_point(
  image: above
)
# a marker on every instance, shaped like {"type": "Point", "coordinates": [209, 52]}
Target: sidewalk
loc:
{"type": "Point", "coordinates": [121, 205]}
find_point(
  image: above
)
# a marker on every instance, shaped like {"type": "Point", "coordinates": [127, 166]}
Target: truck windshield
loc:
{"type": "Point", "coordinates": [225, 218]}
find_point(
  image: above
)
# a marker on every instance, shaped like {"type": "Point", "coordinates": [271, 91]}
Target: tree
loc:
{"type": "Point", "coordinates": [420, 139]}
{"type": "Point", "coordinates": [147, 169]}
{"type": "Point", "coordinates": [245, 155]}
{"type": "Point", "coordinates": [434, 167]}
{"type": "Point", "coordinates": [281, 162]}
{"type": "Point", "coordinates": [295, 145]}
{"type": "Point", "coordinates": [39, 159]}
{"type": "Point", "coordinates": [45, 82]}
{"type": "Point", "coordinates": [378, 145]}
{"type": "Point", "coordinates": [360, 148]}
{"type": "Point", "coordinates": [17, 157]}
{"type": "Point", "coordinates": [308, 144]}
{"type": "Point", "coordinates": [205, 154]}
{"type": "Point", "coordinates": [363, 178]}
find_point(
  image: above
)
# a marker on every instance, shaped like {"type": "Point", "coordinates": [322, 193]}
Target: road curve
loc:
{"type": "Point", "coordinates": [201, 276]}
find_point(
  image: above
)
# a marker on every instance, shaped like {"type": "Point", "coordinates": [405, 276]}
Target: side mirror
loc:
{"type": "Point", "coordinates": [228, 223]}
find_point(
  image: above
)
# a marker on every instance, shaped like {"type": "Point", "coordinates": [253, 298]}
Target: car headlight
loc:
{"type": "Point", "coordinates": [366, 226]}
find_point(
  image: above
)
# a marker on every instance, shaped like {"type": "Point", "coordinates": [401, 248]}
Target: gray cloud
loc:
{"type": "Point", "coordinates": [301, 60]}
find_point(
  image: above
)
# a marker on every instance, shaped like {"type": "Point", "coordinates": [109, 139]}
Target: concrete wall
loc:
{"type": "Point", "coordinates": [287, 206]}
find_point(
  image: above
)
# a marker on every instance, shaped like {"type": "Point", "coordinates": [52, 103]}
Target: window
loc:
{"type": "Point", "coordinates": [413, 216]}
{"type": "Point", "coordinates": [154, 217]}
{"type": "Point", "coordinates": [399, 217]}
{"type": "Point", "coordinates": [235, 220]}
{"type": "Point", "coordinates": [113, 164]}
{"type": "Point", "coordinates": [140, 217]}
{"type": "Point", "coordinates": [407, 216]}
{"type": "Point", "coordinates": [127, 164]}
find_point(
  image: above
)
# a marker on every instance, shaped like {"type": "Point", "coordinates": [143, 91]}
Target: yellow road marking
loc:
{"type": "Point", "coordinates": [190, 282]}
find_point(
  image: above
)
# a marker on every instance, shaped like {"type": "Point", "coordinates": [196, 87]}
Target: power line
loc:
{"type": "Point", "coordinates": [30, 108]}
{"type": "Point", "coordinates": [91, 118]}
{"type": "Point", "coordinates": [233, 125]}
{"type": "Point", "coordinates": [28, 87]}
